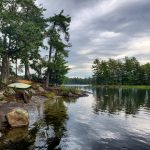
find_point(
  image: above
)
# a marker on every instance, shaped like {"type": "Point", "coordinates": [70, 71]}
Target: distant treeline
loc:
{"type": "Point", "coordinates": [124, 72]}
{"type": "Point", "coordinates": [78, 80]}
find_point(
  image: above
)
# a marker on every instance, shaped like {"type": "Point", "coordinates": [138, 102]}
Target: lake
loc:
{"type": "Point", "coordinates": [109, 118]}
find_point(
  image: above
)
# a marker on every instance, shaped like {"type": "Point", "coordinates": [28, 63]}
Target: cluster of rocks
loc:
{"type": "Point", "coordinates": [10, 99]}
{"type": "Point", "coordinates": [18, 117]}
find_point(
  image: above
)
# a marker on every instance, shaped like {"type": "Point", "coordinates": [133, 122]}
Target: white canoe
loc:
{"type": "Point", "coordinates": [19, 85]}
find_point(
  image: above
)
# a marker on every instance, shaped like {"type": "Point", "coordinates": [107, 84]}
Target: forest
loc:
{"type": "Point", "coordinates": [23, 28]}
{"type": "Point", "coordinates": [77, 80]}
{"type": "Point", "coordinates": [127, 71]}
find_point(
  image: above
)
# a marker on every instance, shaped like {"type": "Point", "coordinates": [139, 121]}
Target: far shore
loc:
{"type": "Point", "coordinates": [125, 86]}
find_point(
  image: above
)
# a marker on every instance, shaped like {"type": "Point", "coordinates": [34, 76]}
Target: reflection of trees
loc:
{"type": "Point", "coordinates": [55, 115]}
{"type": "Point", "coordinates": [16, 139]}
{"type": "Point", "coordinates": [41, 136]}
{"type": "Point", "coordinates": [117, 99]}
{"type": "Point", "coordinates": [70, 100]}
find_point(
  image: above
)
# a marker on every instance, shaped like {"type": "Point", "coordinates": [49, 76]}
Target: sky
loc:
{"type": "Point", "coordinates": [103, 29]}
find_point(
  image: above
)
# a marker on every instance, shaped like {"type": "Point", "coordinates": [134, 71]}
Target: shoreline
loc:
{"type": "Point", "coordinates": [124, 86]}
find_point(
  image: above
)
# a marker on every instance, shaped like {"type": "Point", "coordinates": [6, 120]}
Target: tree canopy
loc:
{"type": "Point", "coordinates": [123, 72]}
{"type": "Point", "coordinates": [23, 29]}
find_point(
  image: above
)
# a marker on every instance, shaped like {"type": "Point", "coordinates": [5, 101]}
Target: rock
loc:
{"type": "Point", "coordinates": [25, 95]}
{"type": "Point", "coordinates": [32, 91]}
{"type": "Point", "coordinates": [9, 92]}
{"type": "Point", "coordinates": [41, 89]}
{"type": "Point", "coordinates": [3, 102]}
{"type": "Point", "coordinates": [2, 97]}
{"type": "Point", "coordinates": [35, 86]}
{"type": "Point", "coordinates": [1, 135]}
{"type": "Point", "coordinates": [71, 95]}
{"type": "Point", "coordinates": [18, 117]}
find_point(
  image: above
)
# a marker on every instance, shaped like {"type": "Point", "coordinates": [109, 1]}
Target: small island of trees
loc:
{"type": "Point", "coordinates": [120, 72]}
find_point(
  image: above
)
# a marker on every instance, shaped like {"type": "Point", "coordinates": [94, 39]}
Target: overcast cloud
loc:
{"type": "Point", "coordinates": [103, 29]}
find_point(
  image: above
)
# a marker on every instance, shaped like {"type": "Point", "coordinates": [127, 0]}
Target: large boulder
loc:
{"type": "Point", "coordinates": [18, 117]}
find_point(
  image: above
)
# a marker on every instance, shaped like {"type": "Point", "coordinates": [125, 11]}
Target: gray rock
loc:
{"type": "Point", "coordinates": [1, 135]}
{"type": "Point", "coordinates": [3, 102]}
{"type": "Point", "coordinates": [41, 89]}
{"type": "Point", "coordinates": [32, 91]}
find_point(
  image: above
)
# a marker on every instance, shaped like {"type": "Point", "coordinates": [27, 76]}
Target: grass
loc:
{"type": "Point", "coordinates": [49, 95]}
{"type": "Point", "coordinates": [125, 86]}
{"type": "Point", "coordinates": [135, 86]}
{"type": "Point", "coordinates": [67, 90]}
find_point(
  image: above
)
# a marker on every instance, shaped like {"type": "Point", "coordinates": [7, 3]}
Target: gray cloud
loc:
{"type": "Point", "coordinates": [103, 29]}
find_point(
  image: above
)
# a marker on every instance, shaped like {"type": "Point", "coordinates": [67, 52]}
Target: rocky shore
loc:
{"type": "Point", "coordinates": [16, 112]}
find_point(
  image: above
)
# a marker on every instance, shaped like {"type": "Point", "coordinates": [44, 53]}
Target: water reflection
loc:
{"type": "Point", "coordinates": [117, 99]}
{"type": "Point", "coordinates": [70, 124]}
{"type": "Point", "coordinates": [55, 116]}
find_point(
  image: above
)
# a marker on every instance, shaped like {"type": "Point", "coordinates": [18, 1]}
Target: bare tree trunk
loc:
{"type": "Point", "coordinates": [16, 68]}
{"type": "Point", "coordinates": [48, 70]}
{"type": "Point", "coordinates": [5, 69]}
{"type": "Point", "coordinates": [47, 79]}
{"type": "Point", "coordinates": [48, 74]}
{"type": "Point", "coordinates": [27, 72]}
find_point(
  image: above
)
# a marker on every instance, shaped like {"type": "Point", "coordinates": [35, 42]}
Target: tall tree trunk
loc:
{"type": "Point", "coordinates": [27, 72]}
{"type": "Point", "coordinates": [48, 74]}
{"type": "Point", "coordinates": [5, 69]}
{"type": "Point", "coordinates": [48, 70]}
{"type": "Point", "coordinates": [16, 68]}
{"type": "Point", "coordinates": [5, 65]}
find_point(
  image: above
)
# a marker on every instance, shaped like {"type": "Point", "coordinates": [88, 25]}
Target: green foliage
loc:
{"type": "Point", "coordinates": [50, 95]}
{"type": "Point", "coordinates": [22, 25]}
{"type": "Point", "coordinates": [65, 91]}
{"type": "Point", "coordinates": [55, 114]}
{"type": "Point", "coordinates": [22, 31]}
{"type": "Point", "coordinates": [114, 72]}
{"type": "Point", "coordinates": [77, 80]}
{"type": "Point", "coordinates": [58, 40]}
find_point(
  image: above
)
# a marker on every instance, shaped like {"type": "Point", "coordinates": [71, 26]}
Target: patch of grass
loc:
{"type": "Point", "coordinates": [125, 86]}
{"type": "Point", "coordinates": [135, 86]}
{"type": "Point", "coordinates": [67, 90]}
{"type": "Point", "coordinates": [49, 95]}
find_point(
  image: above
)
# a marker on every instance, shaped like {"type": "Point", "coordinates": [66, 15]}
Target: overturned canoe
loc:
{"type": "Point", "coordinates": [19, 85]}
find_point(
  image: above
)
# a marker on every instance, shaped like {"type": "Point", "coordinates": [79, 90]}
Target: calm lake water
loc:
{"type": "Point", "coordinates": [115, 119]}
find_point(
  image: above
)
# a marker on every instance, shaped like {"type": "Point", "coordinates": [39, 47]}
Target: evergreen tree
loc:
{"type": "Point", "coordinates": [59, 25]}
{"type": "Point", "coordinates": [128, 72]}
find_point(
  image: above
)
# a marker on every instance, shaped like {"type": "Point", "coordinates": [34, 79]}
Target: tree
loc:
{"type": "Point", "coordinates": [21, 33]}
{"type": "Point", "coordinates": [59, 25]}
{"type": "Point", "coordinates": [32, 32]}
{"type": "Point", "coordinates": [145, 73]}
{"type": "Point", "coordinates": [124, 72]}
{"type": "Point", "coordinates": [8, 24]}
{"type": "Point", "coordinates": [95, 68]}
